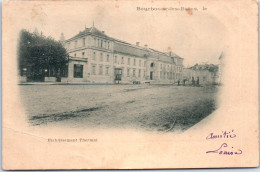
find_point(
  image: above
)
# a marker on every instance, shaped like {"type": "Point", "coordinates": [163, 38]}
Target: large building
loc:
{"type": "Point", "coordinates": [98, 58]}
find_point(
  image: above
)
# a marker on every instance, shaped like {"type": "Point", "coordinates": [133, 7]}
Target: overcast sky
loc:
{"type": "Point", "coordinates": [198, 38]}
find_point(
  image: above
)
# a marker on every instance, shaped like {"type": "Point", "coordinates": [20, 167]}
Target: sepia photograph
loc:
{"type": "Point", "coordinates": [155, 76]}
{"type": "Point", "coordinates": [93, 79]}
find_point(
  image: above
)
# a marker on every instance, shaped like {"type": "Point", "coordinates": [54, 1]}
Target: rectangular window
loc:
{"type": "Point", "coordinates": [161, 66]}
{"type": "Point", "coordinates": [98, 43]}
{"type": "Point", "coordinates": [108, 58]}
{"type": "Point", "coordinates": [83, 42]}
{"type": "Point", "coordinates": [95, 42]}
{"type": "Point", "coordinates": [101, 43]}
{"type": "Point", "coordinates": [144, 63]}
{"type": "Point", "coordinates": [144, 73]}
{"type": "Point", "coordinates": [94, 56]}
{"type": "Point", "coordinates": [107, 45]}
{"type": "Point", "coordinates": [133, 72]}
{"type": "Point", "coordinates": [123, 71]}
{"type": "Point", "coordinates": [134, 62]}
{"type": "Point", "coordinates": [75, 54]}
{"type": "Point", "coordinates": [101, 57]}
{"type": "Point", "coordinates": [128, 72]}
{"type": "Point", "coordinates": [78, 71]}
{"type": "Point", "coordinates": [140, 63]}
{"type": "Point", "coordinates": [107, 70]}
{"type": "Point", "coordinates": [128, 61]}
{"type": "Point", "coordinates": [139, 73]}
{"type": "Point", "coordinates": [115, 59]}
{"type": "Point", "coordinates": [75, 46]}
{"type": "Point", "coordinates": [100, 70]}
{"type": "Point", "coordinates": [122, 60]}
{"type": "Point", "coordinates": [93, 70]}
{"type": "Point", "coordinates": [83, 54]}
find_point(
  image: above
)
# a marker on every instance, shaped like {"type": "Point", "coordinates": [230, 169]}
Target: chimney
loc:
{"type": "Point", "coordinates": [170, 53]}
{"type": "Point", "coordinates": [137, 43]}
{"type": "Point", "coordinates": [62, 38]}
{"type": "Point", "coordinates": [103, 31]}
{"type": "Point", "coordinates": [145, 45]}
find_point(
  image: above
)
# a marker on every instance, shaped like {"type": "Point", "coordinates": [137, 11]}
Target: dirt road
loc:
{"type": "Point", "coordinates": [149, 107]}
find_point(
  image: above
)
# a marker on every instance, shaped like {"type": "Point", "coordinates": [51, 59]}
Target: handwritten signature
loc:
{"type": "Point", "coordinates": [220, 150]}
{"type": "Point", "coordinates": [224, 134]}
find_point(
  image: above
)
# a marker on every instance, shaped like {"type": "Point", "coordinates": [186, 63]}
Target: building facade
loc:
{"type": "Point", "coordinates": [206, 74]}
{"type": "Point", "coordinates": [95, 57]}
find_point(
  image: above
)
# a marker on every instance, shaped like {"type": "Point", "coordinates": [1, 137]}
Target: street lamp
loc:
{"type": "Point", "coordinates": [45, 72]}
{"type": "Point", "coordinates": [24, 71]}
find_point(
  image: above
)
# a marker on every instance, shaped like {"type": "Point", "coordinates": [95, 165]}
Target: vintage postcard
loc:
{"type": "Point", "coordinates": [129, 84]}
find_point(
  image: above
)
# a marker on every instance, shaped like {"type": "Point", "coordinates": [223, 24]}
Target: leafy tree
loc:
{"type": "Point", "coordinates": [40, 55]}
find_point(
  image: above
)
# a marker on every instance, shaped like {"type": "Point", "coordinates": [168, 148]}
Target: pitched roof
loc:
{"type": "Point", "coordinates": [91, 31]}
{"type": "Point", "coordinates": [122, 46]}
{"type": "Point", "coordinates": [210, 67]}
{"type": "Point", "coordinates": [97, 32]}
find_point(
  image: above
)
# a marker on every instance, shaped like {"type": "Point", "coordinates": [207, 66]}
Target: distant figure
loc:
{"type": "Point", "coordinates": [193, 81]}
{"type": "Point", "coordinates": [184, 82]}
{"type": "Point", "coordinates": [198, 81]}
{"type": "Point", "coordinates": [178, 82]}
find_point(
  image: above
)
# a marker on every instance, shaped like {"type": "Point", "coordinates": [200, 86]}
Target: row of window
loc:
{"type": "Point", "coordinates": [78, 72]}
{"type": "Point", "coordinates": [76, 44]}
{"type": "Point", "coordinates": [116, 59]}
{"type": "Point", "coordinates": [134, 61]}
{"type": "Point", "coordinates": [135, 72]}
{"type": "Point", "coordinates": [98, 43]}
{"type": "Point", "coordinates": [167, 75]}
{"type": "Point", "coordinates": [94, 57]}
{"type": "Point", "coordinates": [102, 43]}
{"type": "Point", "coordinates": [82, 54]}
{"type": "Point", "coordinates": [100, 70]}
{"type": "Point", "coordinates": [178, 68]}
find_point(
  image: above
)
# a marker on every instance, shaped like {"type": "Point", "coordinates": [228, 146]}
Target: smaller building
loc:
{"type": "Point", "coordinates": [220, 68]}
{"type": "Point", "coordinates": [205, 74]}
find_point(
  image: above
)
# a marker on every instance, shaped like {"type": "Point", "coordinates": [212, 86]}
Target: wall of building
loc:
{"type": "Point", "coordinates": [101, 56]}
{"type": "Point", "coordinates": [205, 76]}
{"type": "Point", "coordinates": [71, 78]}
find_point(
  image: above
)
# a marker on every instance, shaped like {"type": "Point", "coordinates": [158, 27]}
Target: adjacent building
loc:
{"type": "Point", "coordinates": [220, 68]}
{"type": "Point", "coordinates": [205, 73]}
{"type": "Point", "coordinates": [95, 57]}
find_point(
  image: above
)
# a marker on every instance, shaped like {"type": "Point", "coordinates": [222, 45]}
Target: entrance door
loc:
{"type": "Point", "coordinates": [151, 75]}
{"type": "Point", "coordinates": [118, 74]}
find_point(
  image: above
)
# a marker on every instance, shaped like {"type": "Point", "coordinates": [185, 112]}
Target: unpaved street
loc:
{"type": "Point", "coordinates": [147, 107]}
